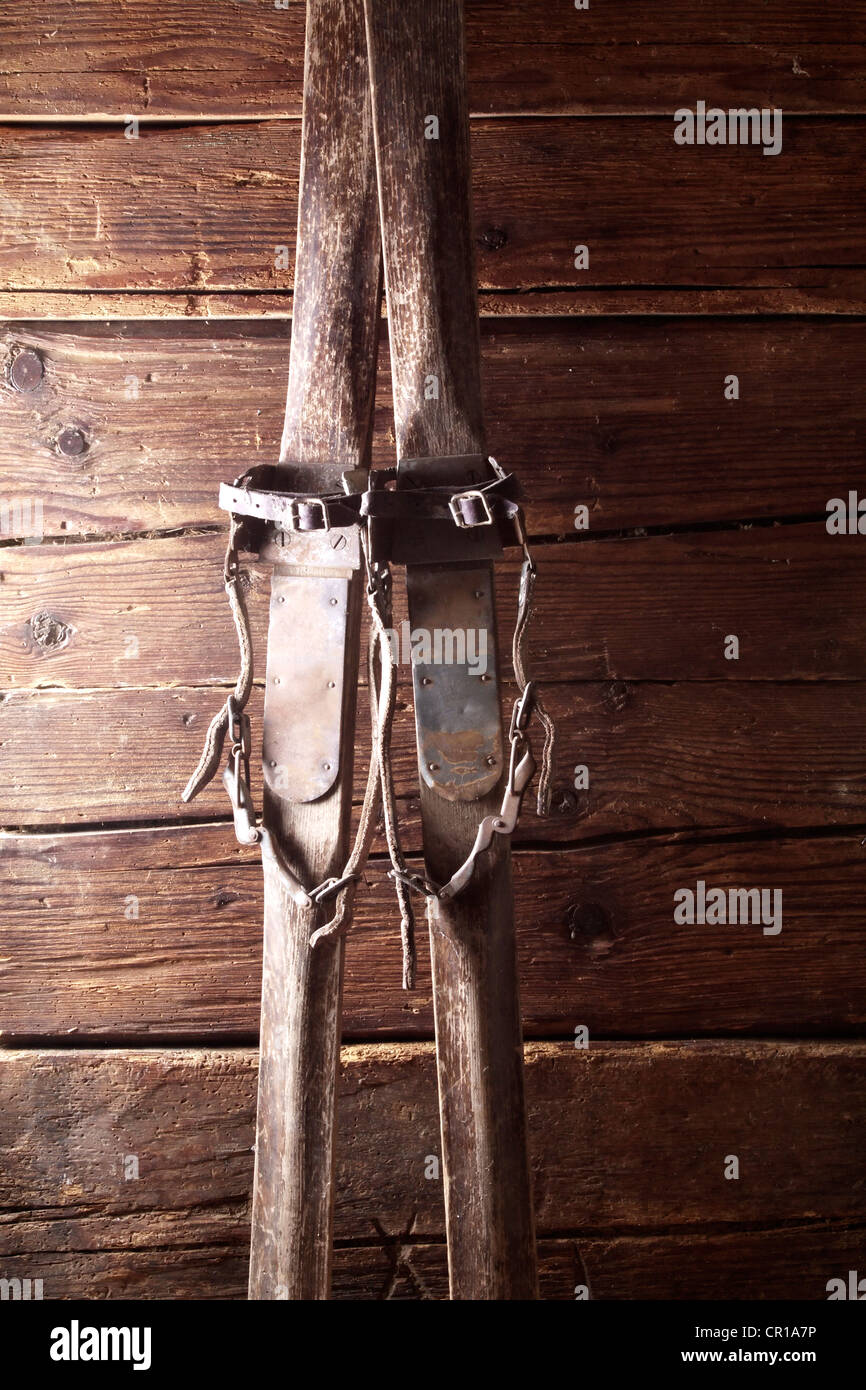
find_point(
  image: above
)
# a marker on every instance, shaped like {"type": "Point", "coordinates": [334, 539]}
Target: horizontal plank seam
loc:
{"type": "Point", "coordinates": [486, 298]}
{"type": "Point", "coordinates": [165, 533]}
{"type": "Point", "coordinates": [545, 539]}
{"type": "Point", "coordinates": [83, 1211]}
{"type": "Point", "coordinates": [102, 120]}
{"type": "Point", "coordinates": [664, 835]}
{"type": "Point", "coordinates": [203, 1247]}
{"type": "Point", "coordinates": [680, 528]}
{"type": "Point", "coordinates": [725, 682]}
{"type": "Point", "coordinates": [830, 1227]}
{"type": "Point", "coordinates": [247, 1044]}
{"type": "Point", "coordinates": [271, 328]}
{"type": "Point", "coordinates": [491, 291]}
{"type": "Point", "coordinates": [422, 1047]}
{"type": "Point", "coordinates": [215, 1041]}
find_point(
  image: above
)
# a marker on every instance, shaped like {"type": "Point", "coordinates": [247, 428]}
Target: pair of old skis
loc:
{"type": "Point", "coordinates": [384, 146]}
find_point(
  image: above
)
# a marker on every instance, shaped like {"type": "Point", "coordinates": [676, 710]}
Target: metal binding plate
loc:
{"type": "Point", "coordinates": [456, 690]}
{"type": "Point", "coordinates": [304, 682]}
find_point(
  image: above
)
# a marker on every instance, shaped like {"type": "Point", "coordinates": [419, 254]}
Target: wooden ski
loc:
{"type": "Point", "coordinates": [322, 520]}
{"type": "Point", "coordinates": [312, 664]}
{"type": "Point", "coordinates": [415, 50]}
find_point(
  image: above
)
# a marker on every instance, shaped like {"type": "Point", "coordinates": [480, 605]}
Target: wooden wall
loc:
{"type": "Point", "coordinates": [141, 273]}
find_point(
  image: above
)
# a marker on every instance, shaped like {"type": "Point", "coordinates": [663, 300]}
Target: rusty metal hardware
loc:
{"type": "Point", "coordinates": [522, 711]}
{"type": "Point", "coordinates": [248, 831]}
{"type": "Point", "coordinates": [304, 679]}
{"type": "Point", "coordinates": [236, 776]}
{"type": "Point", "coordinates": [431, 498]}
{"type": "Point", "coordinates": [471, 495]}
{"type": "Point", "coordinates": [521, 768]}
{"type": "Point", "coordinates": [456, 707]}
{"type": "Point", "coordinates": [292, 517]}
{"type": "Point", "coordinates": [457, 711]}
{"type": "Point", "coordinates": [330, 888]}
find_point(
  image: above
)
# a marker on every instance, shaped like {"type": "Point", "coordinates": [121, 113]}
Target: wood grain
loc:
{"type": "Point", "coordinates": [721, 756]}
{"type": "Point", "coordinates": [623, 413]}
{"type": "Point", "coordinates": [628, 1141]}
{"type": "Point", "coordinates": [202, 306]}
{"type": "Point", "coordinates": [155, 934]}
{"type": "Point", "coordinates": [626, 416]}
{"type": "Point", "coordinates": [781, 1263]}
{"type": "Point", "coordinates": [182, 59]}
{"type": "Point", "coordinates": [81, 202]}
{"type": "Point", "coordinates": [134, 614]}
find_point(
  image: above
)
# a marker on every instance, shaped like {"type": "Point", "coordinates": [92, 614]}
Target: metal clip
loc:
{"type": "Point", "coordinates": [289, 882]}
{"type": "Point", "coordinates": [530, 569]}
{"type": "Point", "coordinates": [471, 494]}
{"type": "Point", "coordinates": [236, 783]}
{"type": "Point", "coordinates": [239, 729]}
{"type": "Point", "coordinates": [415, 881]}
{"type": "Point", "coordinates": [519, 776]}
{"type": "Point", "coordinates": [330, 888]}
{"type": "Point", "coordinates": [521, 713]}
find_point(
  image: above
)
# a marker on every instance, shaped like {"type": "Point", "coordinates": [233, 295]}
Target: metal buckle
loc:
{"type": "Point", "coordinates": [293, 513]}
{"type": "Point", "coordinates": [454, 509]}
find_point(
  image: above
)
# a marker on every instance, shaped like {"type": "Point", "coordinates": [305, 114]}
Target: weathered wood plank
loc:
{"type": "Point", "coordinates": [787, 594]}
{"type": "Point", "coordinates": [721, 756]}
{"type": "Point", "coordinates": [158, 406]}
{"type": "Point", "coordinates": [126, 614]}
{"type": "Point", "coordinates": [79, 209]}
{"type": "Point", "coordinates": [157, 933]}
{"type": "Point", "coordinates": [152, 612]}
{"type": "Point", "coordinates": [189, 307]}
{"type": "Point", "coordinates": [629, 1143]}
{"type": "Point", "coordinates": [768, 1264]}
{"type": "Point", "coordinates": [181, 58]}
{"type": "Point", "coordinates": [198, 305]}
{"type": "Point", "coordinates": [764, 1264]}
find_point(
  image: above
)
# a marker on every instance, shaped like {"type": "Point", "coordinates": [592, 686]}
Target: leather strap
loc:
{"type": "Point", "coordinates": [490, 502]}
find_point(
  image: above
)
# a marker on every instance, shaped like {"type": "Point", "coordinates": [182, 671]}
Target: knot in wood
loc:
{"type": "Point", "coordinates": [615, 696]}
{"type": "Point", "coordinates": [589, 925]}
{"type": "Point", "coordinates": [49, 632]}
